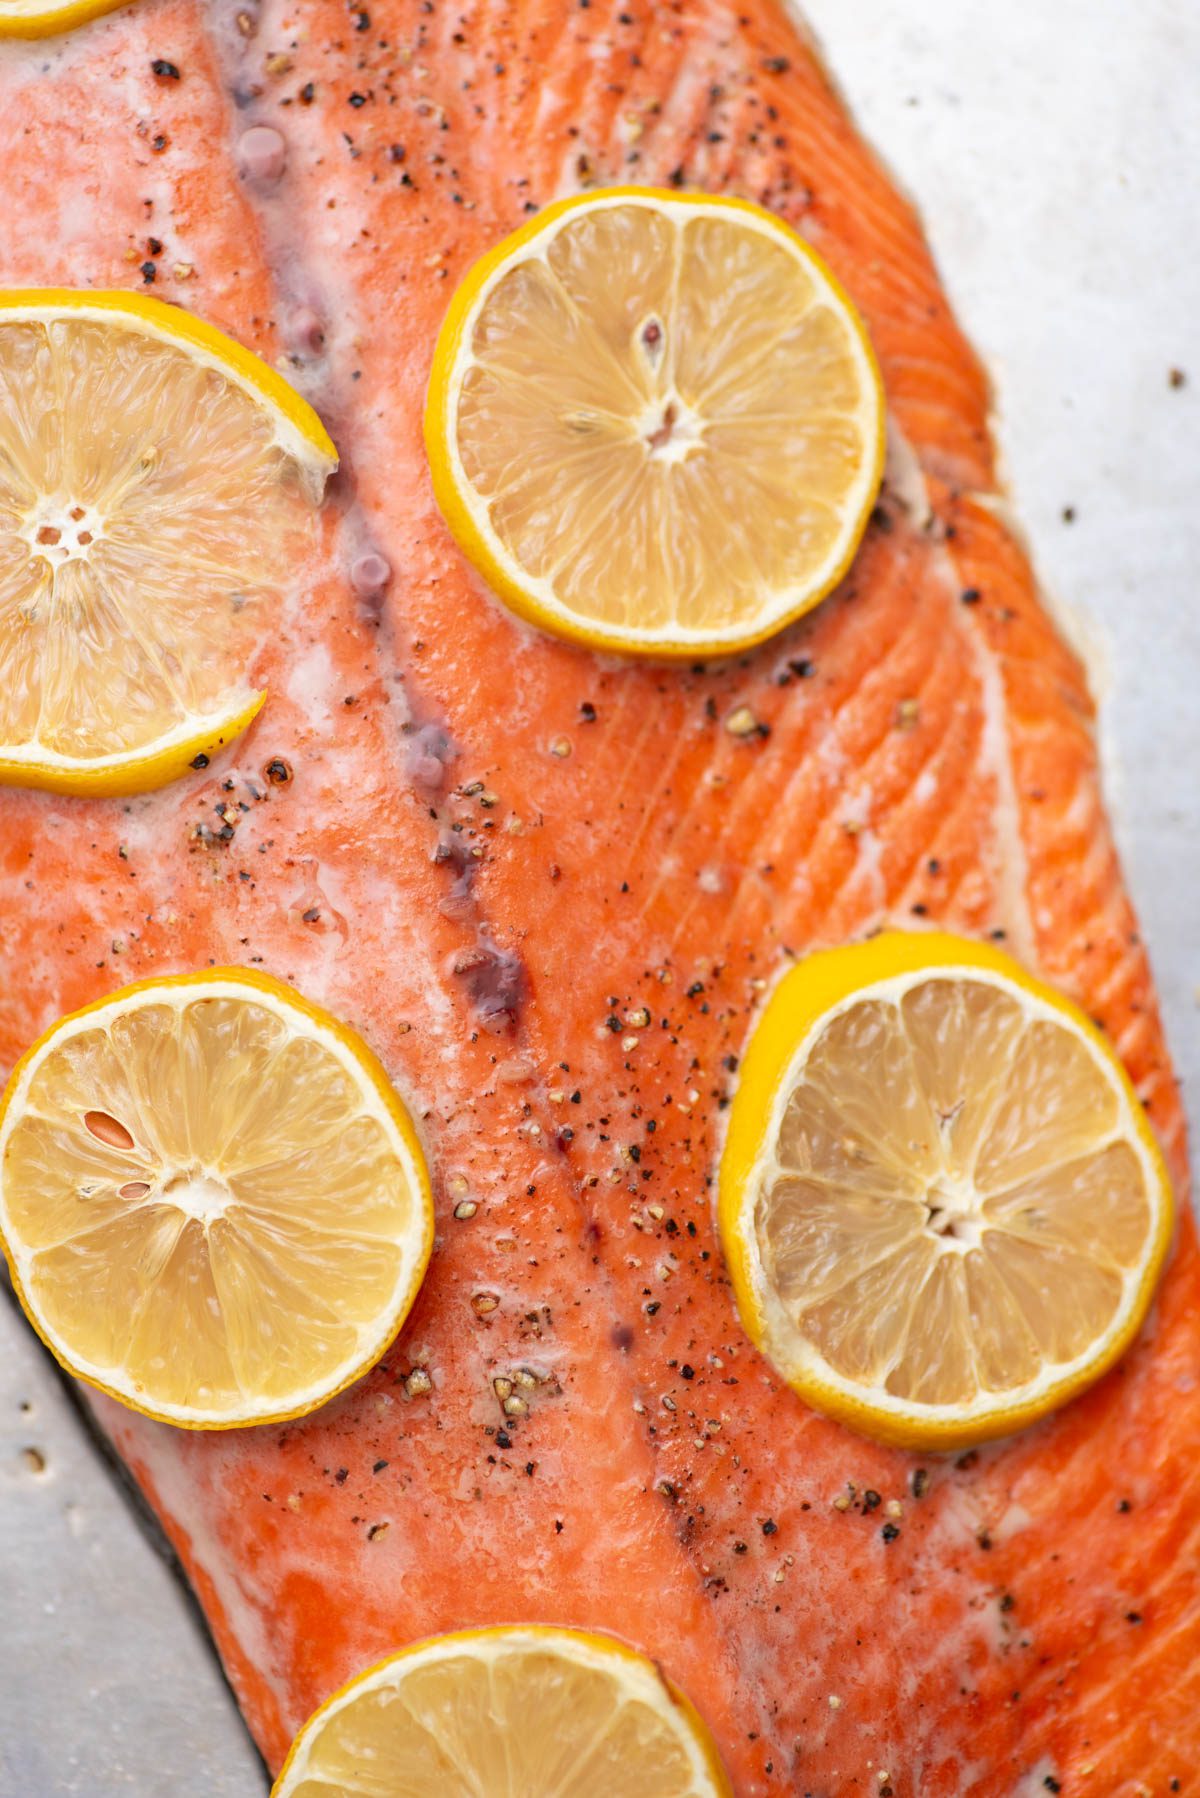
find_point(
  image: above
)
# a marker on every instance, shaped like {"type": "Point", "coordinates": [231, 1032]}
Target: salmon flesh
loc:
{"type": "Point", "coordinates": [315, 178]}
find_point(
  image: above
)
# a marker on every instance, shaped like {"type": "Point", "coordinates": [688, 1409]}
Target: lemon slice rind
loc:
{"type": "Point", "coordinates": [381, 1102]}
{"type": "Point", "coordinates": [808, 998]}
{"type": "Point", "coordinates": [298, 430]}
{"type": "Point", "coordinates": [33, 19]}
{"type": "Point", "coordinates": [642, 1682]}
{"type": "Point", "coordinates": [33, 765]}
{"type": "Point", "coordinates": [533, 597]}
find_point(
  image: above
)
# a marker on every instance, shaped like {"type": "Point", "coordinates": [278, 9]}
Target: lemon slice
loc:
{"type": "Point", "coordinates": [214, 1205]}
{"type": "Point", "coordinates": [942, 1206]}
{"type": "Point", "coordinates": [156, 482]}
{"type": "Point", "coordinates": [518, 1712]}
{"type": "Point", "coordinates": [655, 423]}
{"type": "Point", "coordinates": [36, 18]}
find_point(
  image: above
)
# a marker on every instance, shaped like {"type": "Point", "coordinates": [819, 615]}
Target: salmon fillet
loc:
{"type": "Point", "coordinates": [926, 752]}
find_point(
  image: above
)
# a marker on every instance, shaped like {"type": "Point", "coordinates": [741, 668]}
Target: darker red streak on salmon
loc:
{"type": "Point", "coordinates": [921, 758]}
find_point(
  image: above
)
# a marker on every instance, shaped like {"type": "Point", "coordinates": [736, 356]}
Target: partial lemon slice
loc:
{"type": "Point", "coordinates": [156, 484]}
{"type": "Point", "coordinates": [43, 18]}
{"type": "Point", "coordinates": [655, 423]}
{"type": "Point", "coordinates": [518, 1712]}
{"type": "Point", "coordinates": [213, 1203]}
{"type": "Point", "coordinates": [942, 1206]}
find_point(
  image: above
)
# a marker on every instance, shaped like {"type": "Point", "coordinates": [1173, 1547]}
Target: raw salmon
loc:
{"type": "Point", "coordinates": [550, 889]}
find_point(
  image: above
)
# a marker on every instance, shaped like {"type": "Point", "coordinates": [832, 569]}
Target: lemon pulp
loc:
{"type": "Point", "coordinates": [655, 422]}
{"type": "Point", "coordinates": [214, 1204]}
{"type": "Point", "coordinates": [152, 502]}
{"type": "Point", "coordinates": [943, 1207]}
{"type": "Point", "coordinates": [516, 1712]}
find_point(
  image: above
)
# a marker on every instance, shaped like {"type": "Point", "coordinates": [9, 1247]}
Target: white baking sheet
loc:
{"type": "Point", "coordinates": [1052, 146]}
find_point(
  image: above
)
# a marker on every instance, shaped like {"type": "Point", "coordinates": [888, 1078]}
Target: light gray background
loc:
{"type": "Point", "coordinates": [1052, 148]}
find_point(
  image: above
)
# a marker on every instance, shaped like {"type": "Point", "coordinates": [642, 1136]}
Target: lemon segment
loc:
{"type": "Point", "coordinates": [516, 1712]}
{"type": "Point", "coordinates": [214, 1205]}
{"type": "Point", "coordinates": [942, 1206]}
{"type": "Point", "coordinates": [655, 423]}
{"type": "Point", "coordinates": [157, 482]}
{"type": "Point", "coordinates": [36, 18]}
